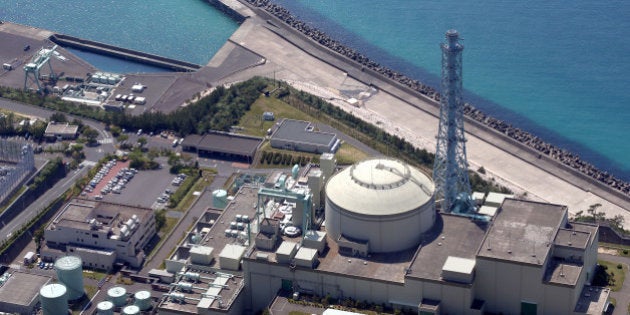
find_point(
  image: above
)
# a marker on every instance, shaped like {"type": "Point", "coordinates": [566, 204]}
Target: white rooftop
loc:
{"type": "Point", "coordinates": [459, 265]}
{"type": "Point", "coordinates": [233, 251]}
{"type": "Point", "coordinates": [386, 187]}
{"type": "Point", "coordinates": [488, 210]}
{"type": "Point", "coordinates": [494, 198]}
{"type": "Point", "coordinates": [201, 250]}
{"type": "Point", "coordinates": [286, 248]}
{"type": "Point", "coordinates": [306, 254]}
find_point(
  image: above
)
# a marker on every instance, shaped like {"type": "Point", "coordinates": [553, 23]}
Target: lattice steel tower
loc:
{"type": "Point", "coordinates": [450, 169]}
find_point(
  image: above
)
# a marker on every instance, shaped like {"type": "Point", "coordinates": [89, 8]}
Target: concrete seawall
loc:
{"type": "Point", "coordinates": [228, 8]}
{"type": "Point", "coordinates": [124, 53]}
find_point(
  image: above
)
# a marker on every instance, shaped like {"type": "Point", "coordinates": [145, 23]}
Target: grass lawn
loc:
{"type": "Point", "coordinates": [615, 275]}
{"type": "Point", "coordinates": [96, 275]}
{"type": "Point", "coordinates": [348, 154]}
{"type": "Point", "coordinates": [252, 121]}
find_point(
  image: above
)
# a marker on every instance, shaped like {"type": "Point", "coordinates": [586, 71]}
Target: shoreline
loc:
{"type": "Point", "coordinates": [565, 158]}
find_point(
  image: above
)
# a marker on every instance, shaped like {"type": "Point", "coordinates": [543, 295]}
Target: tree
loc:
{"type": "Point", "coordinates": [142, 141]}
{"type": "Point", "coordinates": [160, 219]}
{"type": "Point", "coordinates": [115, 130]}
{"type": "Point", "coordinates": [58, 117]}
{"type": "Point", "coordinates": [38, 236]}
{"type": "Point", "coordinates": [617, 221]}
{"type": "Point", "coordinates": [37, 130]}
{"type": "Point", "coordinates": [90, 135]}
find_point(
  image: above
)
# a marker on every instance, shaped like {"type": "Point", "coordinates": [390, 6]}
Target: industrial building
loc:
{"type": "Point", "coordinates": [223, 145]}
{"type": "Point", "coordinates": [526, 259]}
{"type": "Point", "coordinates": [205, 274]}
{"type": "Point", "coordinates": [299, 135]}
{"type": "Point", "coordinates": [100, 233]}
{"type": "Point", "coordinates": [19, 291]}
{"type": "Point", "coordinates": [381, 241]}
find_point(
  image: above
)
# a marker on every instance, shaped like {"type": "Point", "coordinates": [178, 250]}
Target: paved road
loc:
{"type": "Point", "coordinates": [622, 296]}
{"type": "Point", "coordinates": [43, 201]}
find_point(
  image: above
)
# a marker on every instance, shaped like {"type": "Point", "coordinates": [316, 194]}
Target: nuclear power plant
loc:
{"type": "Point", "coordinates": [380, 232]}
{"type": "Point", "coordinates": [383, 231]}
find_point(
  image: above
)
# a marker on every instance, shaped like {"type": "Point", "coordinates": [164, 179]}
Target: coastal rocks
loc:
{"type": "Point", "coordinates": [563, 156]}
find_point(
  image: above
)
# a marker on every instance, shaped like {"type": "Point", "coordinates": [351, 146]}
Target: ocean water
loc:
{"type": "Point", "coordinates": [558, 69]}
{"type": "Point", "coordinates": [189, 30]}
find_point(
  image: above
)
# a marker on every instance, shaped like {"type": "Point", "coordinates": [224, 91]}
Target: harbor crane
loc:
{"type": "Point", "coordinates": [33, 68]}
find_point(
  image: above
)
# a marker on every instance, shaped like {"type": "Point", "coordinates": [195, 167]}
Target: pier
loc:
{"type": "Point", "coordinates": [124, 53]}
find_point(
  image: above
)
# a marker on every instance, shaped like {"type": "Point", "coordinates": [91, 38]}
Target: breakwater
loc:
{"type": "Point", "coordinates": [561, 156]}
{"type": "Point", "coordinates": [124, 53]}
{"type": "Point", "coordinates": [226, 9]}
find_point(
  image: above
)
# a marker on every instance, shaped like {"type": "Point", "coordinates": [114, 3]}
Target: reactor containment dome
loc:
{"type": "Point", "coordinates": [382, 203]}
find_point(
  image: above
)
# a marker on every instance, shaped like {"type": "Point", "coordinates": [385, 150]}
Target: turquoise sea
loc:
{"type": "Point", "coordinates": [558, 68]}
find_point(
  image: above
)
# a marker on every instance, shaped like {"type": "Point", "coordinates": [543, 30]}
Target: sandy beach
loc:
{"type": "Point", "coordinates": [414, 119]}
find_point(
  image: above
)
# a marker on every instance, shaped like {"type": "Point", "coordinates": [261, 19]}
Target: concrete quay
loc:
{"type": "Point", "coordinates": [293, 57]}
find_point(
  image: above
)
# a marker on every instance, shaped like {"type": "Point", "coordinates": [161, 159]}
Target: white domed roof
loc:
{"type": "Point", "coordinates": [380, 187]}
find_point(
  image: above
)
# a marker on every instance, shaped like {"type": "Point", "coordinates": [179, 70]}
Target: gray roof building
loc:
{"type": "Point", "coordinates": [63, 130]}
{"type": "Point", "coordinates": [223, 145]}
{"type": "Point", "coordinates": [303, 136]}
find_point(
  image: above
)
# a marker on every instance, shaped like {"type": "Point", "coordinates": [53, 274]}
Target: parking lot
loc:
{"type": "Point", "coordinates": [149, 189]}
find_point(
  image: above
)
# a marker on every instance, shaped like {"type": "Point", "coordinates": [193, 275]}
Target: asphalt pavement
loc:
{"type": "Point", "coordinates": [622, 296]}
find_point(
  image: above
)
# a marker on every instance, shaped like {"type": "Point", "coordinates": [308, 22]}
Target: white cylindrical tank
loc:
{"type": "Point", "coordinates": [54, 299]}
{"type": "Point", "coordinates": [105, 308]}
{"type": "Point", "coordinates": [118, 296]}
{"type": "Point", "coordinates": [185, 286]}
{"type": "Point", "coordinates": [131, 310]}
{"type": "Point", "coordinates": [382, 202]}
{"type": "Point", "coordinates": [143, 300]}
{"type": "Point", "coordinates": [219, 199]}
{"type": "Point", "coordinates": [70, 273]}
{"type": "Point", "coordinates": [193, 276]}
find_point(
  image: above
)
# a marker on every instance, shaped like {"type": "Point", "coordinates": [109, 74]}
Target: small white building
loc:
{"type": "Point", "coordinates": [63, 131]}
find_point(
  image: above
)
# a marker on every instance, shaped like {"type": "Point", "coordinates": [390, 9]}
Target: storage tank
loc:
{"type": "Point", "coordinates": [185, 286]}
{"type": "Point", "coordinates": [70, 273]}
{"type": "Point", "coordinates": [54, 299]}
{"type": "Point", "coordinates": [143, 300]}
{"type": "Point", "coordinates": [131, 310]}
{"type": "Point", "coordinates": [295, 171]}
{"type": "Point", "coordinates": [105, 308]}
{"type": "Point", "coordinates": [118, 296]}
{"type": "Point", "coordinates": [219, 199]}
